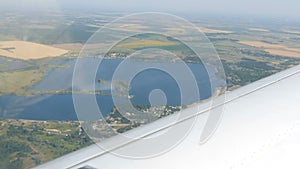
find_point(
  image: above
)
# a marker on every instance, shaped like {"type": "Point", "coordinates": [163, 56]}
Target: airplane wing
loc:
{"type": "Point", "coordinates": [260, 128]}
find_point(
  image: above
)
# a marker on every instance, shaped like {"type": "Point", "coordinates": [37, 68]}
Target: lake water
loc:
{"type": "Point", "coordinates": [60, 107]}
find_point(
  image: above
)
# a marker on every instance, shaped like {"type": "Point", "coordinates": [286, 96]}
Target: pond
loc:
{"type": "Point", "coordinates": [60, 106]}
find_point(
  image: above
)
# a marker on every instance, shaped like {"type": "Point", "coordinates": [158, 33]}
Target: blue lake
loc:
{"type": "Point", "coordinates": [60, 106]}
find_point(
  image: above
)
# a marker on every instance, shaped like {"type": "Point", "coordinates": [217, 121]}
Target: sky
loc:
{"type": "Point", "coordinates": [284, 8]}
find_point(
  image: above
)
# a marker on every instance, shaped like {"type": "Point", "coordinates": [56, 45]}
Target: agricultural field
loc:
{"type": "Point", "coordinates": [213, 31]}
{"type": "Point", "coordinates": [278, 49]}
{"type": "Point", "coordinates": [149, 43]}
{"type": "Point", "coordinates": [275, 49]}
{"type": "Point", "coordinates": [27, 50]}
{"type": "Point", "coordinates": [248, 52]}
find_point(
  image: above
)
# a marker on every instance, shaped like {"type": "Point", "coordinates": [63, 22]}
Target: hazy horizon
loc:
{"type": "Point", "coordinates": [258, 8]}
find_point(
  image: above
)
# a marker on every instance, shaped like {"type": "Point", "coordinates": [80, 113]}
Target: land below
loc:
{"type": "Point", "coordinates": [29, 52]}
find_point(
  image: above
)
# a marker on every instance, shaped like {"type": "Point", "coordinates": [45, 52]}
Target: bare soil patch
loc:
{"type": "Point", "coordinates": [27, 50]}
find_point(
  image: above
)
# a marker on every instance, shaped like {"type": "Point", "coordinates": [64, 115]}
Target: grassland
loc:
{"type": "Point", "coordinates": [28, 50]}
{"type": "Point", "coordinates": [17, 82]}
{"type": "Point", "coordinates": [145, 41]}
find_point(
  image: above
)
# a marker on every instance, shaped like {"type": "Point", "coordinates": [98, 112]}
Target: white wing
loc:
{"type": "Point", "coordinates": [260, 129]}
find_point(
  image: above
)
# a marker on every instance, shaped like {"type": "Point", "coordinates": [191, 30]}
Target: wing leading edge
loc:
{"type": "Point", "coordinates": [260, 128]}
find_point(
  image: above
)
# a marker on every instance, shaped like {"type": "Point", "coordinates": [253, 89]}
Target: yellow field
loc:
{"type": "Point", "coordinates": [207, 30]}
{"type": "Point", "coordinates": [148, 43]}
{"type": "Point", "coordinates": [129, 27]}
{"type": "Point", "coordinates": [283, 53]}
{"type": "Point", "coordinates": [291, 31]}
{"type": "Point", "coordinates": [28, 50]}
{"type": "Point", "coordinates": [274, 48]}
{"type": "Point", "coordinates": [259, 29]}
{"type": "Point", "coordinates": [69, 46]}
{"type": "Point", "coordinates": [175, 31]}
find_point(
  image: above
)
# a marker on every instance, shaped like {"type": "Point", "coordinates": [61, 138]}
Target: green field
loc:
{"type": "Point", "coordinates": [28, 143]}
